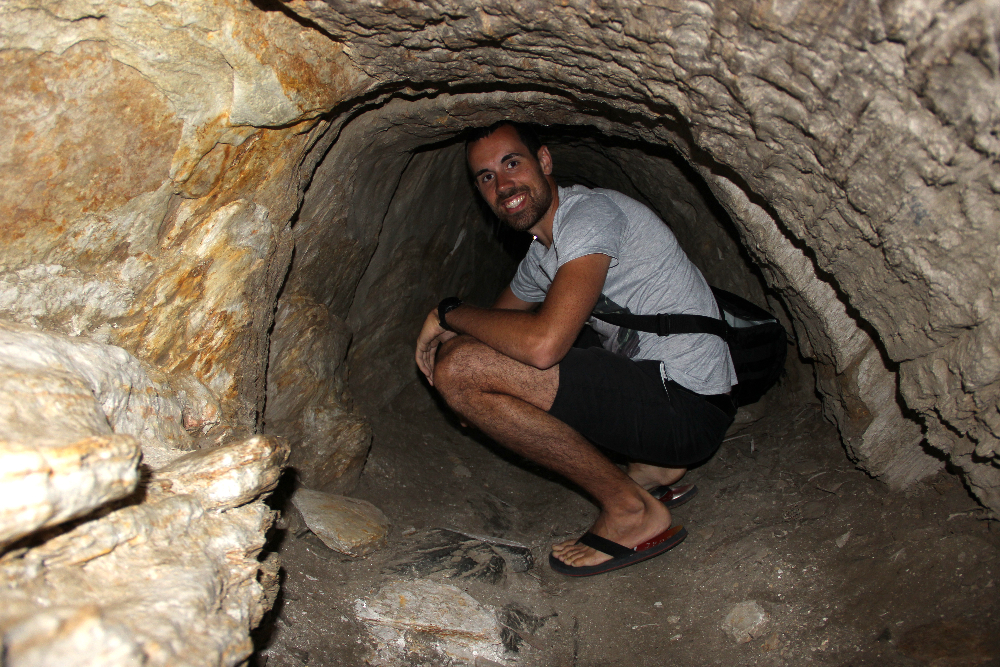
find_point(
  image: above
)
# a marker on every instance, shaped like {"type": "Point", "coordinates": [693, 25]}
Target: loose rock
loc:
{"type": "Point", "coordinates": [348, 525]}
{"type": "Point", "coordinates": [745, 621]}
{"type": "Point", "coordinates": [462, 627]}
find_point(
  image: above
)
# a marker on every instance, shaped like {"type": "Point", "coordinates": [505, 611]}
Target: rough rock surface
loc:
{"type": "Point", "coordinates": [151, 577]}
{"type": "Point", "coordinates": [72, 416]}
{"type": "Point", "coordinates": [223, 477]}
{"type": "Point", "coordinates": [168, 170]}
{"type": "Point", "coordinates": [44, 484]}
{"type": "Point", "coordinates": [151, 166]}
{"type": "Point", "coordinates": [113, 589]}
{"type": "Point", "coordinates": [307, 399]}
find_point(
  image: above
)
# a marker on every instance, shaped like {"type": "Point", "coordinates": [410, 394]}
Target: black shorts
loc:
{"type": "Point", "coordinates": [623, 406]}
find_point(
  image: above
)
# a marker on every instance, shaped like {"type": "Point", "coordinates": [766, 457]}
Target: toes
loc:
{"type": "Point", "coordinates": [580, 555]}
{"type": "Point", "coordinates": [567, 552]}
{"type": "Point", "coordinates": [562, 546]}
{"type": "Point", "coordinates": [567, 557]}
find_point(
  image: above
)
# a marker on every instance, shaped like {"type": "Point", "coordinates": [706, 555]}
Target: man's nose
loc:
{"type": "Point", "coordinates": [504, 181]}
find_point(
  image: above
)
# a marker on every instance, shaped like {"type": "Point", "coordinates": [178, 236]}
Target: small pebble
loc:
{"type": "Point", "coordinates": [657, 604]}
{"type": "Point", "coordinates": [673, 620]}
{"type": "Point", "coordinates": [745, 621]}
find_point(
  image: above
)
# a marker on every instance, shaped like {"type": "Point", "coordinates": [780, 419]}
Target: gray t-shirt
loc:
{"type": "Point", "coordinates": [649, 274]}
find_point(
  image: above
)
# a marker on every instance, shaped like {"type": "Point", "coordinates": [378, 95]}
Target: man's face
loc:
{"type": "Point", "coordinates": [512, 180]}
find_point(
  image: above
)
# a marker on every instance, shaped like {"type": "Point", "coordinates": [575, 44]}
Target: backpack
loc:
{"type": "Point", "coordinates": [757, 341]}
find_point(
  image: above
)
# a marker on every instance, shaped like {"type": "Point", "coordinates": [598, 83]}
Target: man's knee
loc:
{"type": "Point", "coordinates": [456, 364]}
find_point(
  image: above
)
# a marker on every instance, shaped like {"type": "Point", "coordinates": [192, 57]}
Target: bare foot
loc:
{"type": "Point", "coordinates": [628, 528]}
{"type": "Point", "coordinates": [649, 476]}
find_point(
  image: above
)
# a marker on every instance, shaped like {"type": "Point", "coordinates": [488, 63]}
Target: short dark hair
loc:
{"type": "Point", "coordinates": [526, 133]}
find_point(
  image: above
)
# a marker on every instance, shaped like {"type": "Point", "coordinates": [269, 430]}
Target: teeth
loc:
{"type": "Point", "coordinates": [514, 203]}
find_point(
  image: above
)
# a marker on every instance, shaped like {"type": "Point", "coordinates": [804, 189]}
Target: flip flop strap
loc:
{"type": "Point", "coordinates": [606, 546]}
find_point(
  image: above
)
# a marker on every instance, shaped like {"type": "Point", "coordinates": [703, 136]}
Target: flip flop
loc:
{"type": "Point", "coordinates": [674, 496]}
{"type": "Point", "coordinates": [620, 556]}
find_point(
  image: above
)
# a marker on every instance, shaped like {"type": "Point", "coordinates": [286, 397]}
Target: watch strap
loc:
{"type": "Point", "coordinates": [447, 305]}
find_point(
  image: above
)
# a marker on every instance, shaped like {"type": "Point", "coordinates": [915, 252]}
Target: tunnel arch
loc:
{"type": "Point", "coordinates": [383, 152]}
{"type": "Point", "coordinates": [826, 116]}
{"type": "Point", "coordinates": [215, 232]}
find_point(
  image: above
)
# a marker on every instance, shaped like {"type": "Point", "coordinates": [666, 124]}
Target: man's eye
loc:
{"type": "Point", "coordinates": [512, 164]}
{"type": "Point", "coordinates": [486, 178]}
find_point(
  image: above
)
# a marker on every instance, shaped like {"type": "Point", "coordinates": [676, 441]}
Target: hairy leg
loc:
{"type": "Point", "coordinates": [508, 401]}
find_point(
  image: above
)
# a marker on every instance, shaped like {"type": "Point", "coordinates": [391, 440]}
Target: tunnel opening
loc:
{"type": "Point", "coordinates": [459, 498]}
{"type": "Point", "coordinates": [412, 229]}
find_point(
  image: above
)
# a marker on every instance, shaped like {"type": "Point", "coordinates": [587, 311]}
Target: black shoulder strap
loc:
{"type": "Point", "coordinates": [666, 324]}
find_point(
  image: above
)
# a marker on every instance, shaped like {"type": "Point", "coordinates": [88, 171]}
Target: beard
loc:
{"type": "Point", "coordinates": [535, 206]}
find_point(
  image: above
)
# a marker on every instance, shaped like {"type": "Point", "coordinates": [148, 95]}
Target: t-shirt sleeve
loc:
{"type": "Point", "coordinates": [595, 224]}
{"type": "Point", "coordinates": [526, 284]}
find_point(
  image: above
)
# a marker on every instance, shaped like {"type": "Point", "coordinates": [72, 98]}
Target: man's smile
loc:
{"type": "Point", "coordinates": [520, 207]}
{"type": "Point", "coordinates": [515, 202]}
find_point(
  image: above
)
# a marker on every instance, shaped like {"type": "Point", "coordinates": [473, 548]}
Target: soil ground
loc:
{"type": "Point", "coordinates": [849, 573]}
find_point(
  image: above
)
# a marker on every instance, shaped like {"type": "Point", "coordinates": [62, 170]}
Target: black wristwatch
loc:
{"type": "Point", "coordinates": [447, 305]}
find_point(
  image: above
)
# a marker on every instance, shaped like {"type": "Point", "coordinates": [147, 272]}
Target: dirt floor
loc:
{"type": "Point", "coordinates": [846, 572]}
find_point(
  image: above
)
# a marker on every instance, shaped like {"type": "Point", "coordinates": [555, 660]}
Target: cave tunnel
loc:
{"type": "Point", "coordinates": [225, 223]}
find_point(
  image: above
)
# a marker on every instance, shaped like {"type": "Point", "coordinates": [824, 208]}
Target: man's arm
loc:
{"type": "Point", "coordinates": [540, 338]}
{"type": "Point", "coordinates": [510, 301]}
{"type": "Point", "coordinates": [432, 335]}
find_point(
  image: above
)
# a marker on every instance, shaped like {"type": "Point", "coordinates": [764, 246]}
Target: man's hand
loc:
{"type": "Point", "coordinates": [431, 336]}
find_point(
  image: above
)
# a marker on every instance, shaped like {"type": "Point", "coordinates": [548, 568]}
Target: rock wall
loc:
{"type": "Point", "coordinates": [225, 218]}
{"type": "Point", "coordinates": [151, 160]}
{"type": "Point", "coordinates": [376, 247]}
{"type": "Point", "coordinates": [108, 561]}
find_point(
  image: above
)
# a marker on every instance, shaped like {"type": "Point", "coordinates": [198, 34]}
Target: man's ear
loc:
{"type": "Point", "coordinates": [545, 160]}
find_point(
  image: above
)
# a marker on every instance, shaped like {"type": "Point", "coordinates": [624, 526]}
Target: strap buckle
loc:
{"type": "Point", "coordinates": [663, 324]}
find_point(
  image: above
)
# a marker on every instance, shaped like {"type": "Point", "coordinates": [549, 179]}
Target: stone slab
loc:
{"type": "Point", "coordinates": [409, 612]}
{"type": "Point", "coordinates": [348, 525]}
{"type": "Point", "coordinates": [226, 476]}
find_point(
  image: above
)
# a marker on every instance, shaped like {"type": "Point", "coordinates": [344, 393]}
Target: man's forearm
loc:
{"type": "Point", "coordinates": [521, 335]}
{"type": "Point", "coordinates": [542, 337]}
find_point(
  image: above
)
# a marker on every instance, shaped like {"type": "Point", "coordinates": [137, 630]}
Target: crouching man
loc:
{"type": "Point", "coordinates": [512, 370]}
